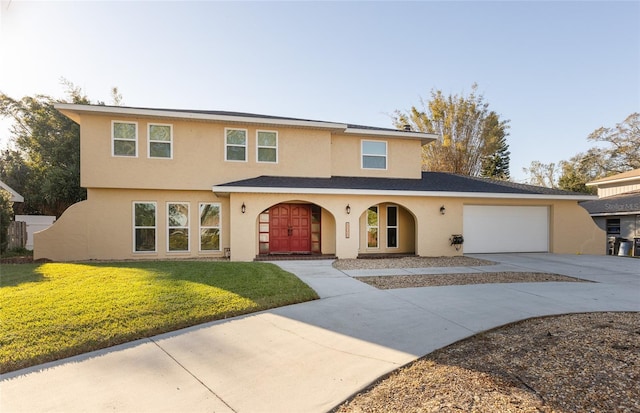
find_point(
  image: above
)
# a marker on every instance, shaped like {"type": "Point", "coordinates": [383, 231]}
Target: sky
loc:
{"type": "Point", "coordinates": [556, 70]}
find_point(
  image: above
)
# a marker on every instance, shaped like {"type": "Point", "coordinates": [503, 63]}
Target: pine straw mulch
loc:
{"type": "Point", "coordinates": [569, 363]}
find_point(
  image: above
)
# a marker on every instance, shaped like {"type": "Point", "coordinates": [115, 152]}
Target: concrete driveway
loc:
{"type": "Point", "coordinates": [309, 357]}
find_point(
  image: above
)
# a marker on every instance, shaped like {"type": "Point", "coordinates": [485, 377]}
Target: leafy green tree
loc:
{"type": "Point", "coordinates": [6, 214]}
{"type": "Point", "coordinates": [469, 135]}
{"type": "Point", "coordinates": [45, 164]}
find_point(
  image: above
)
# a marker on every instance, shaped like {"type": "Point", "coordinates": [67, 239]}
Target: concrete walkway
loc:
{"type": "Point", "coordinates": [309, 357]}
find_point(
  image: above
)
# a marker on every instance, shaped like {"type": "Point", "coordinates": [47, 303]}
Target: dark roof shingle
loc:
{"type": "Point", "coordinates": [430, 182]}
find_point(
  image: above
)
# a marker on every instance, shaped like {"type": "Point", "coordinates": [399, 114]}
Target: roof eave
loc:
{"type": "Point", "coordinates": [425, 138]}
{"type": "Point", "coordinates": [73, 111]}
{"type": "Point", "coordinates": [386, 192]}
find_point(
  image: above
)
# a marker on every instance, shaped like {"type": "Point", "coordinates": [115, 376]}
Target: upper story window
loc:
{"type": "Point", "coordinates": [267, 146]}
{"type": "Point", "coordinates": [374, 155]}
{"type": "Point", "coordinates": [160, 141]}
{"type": "Point", "coordinates": [124, 138]}
{"type": "Point", "coordinates": [235, 146]}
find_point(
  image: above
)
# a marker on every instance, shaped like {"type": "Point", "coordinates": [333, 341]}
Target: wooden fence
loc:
{"type": "Point", "coordinates": [17, 234]}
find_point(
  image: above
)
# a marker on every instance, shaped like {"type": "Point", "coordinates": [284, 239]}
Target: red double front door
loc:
{"type": "Point", "coordinates": [290, 228]}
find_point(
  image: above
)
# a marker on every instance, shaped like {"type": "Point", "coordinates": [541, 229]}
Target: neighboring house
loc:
{"type": "Point", "coordinates": [617, 211]}
{"type": "Point", "coordinates": [186, 184]}
{"type": "Point", "coordinates": [15, 197]}
{"type": "Point", "coordinates": [33, 223]}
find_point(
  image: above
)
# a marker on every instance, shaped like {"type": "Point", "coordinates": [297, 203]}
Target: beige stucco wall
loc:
{"type": "Point", "coordinates": [572, 229]}
{"type": "Point", "coordinates": [198, 155]}
{"type": "Point", "coordinates": [101, 227]}
{"type": "Point", "coordinates": [403, 157]}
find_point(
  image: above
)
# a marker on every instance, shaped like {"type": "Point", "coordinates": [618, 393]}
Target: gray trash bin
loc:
{"type": "Point", "coordinates": [625, 248]}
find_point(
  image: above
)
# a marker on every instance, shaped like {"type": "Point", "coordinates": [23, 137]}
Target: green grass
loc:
{"type": "Point", "coordinates": [55, 310]}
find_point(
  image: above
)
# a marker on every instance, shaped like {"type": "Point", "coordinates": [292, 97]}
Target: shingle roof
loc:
{"type": "Point", "coordinates": [629, 175]}
{"type": "Point", "coordinates": [430, 182]}
{"type": "Point", "coordinates": [622, 204]}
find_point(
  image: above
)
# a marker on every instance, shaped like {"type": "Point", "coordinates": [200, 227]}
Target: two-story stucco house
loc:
{"type": "Point", "coordinates": [186, 184]}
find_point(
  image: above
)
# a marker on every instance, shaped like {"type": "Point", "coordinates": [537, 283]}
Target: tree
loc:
{"type": "Point", "coordinates": [45, 166]}
{"type": "Point", "coordinates": [543, 174]}
{"type": "Point", "coordinates": [6, 213]}
{"type": "Point", "coordinates": [622, 152]}
{"type": "Point", "coordinates": [496, 165]}
{"type": "Point", "coordinates": [468, 134]}
{"type": "Point", "coordinates": [618, 150]}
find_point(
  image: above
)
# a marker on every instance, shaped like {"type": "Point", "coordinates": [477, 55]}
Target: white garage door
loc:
{"type": "Point", "coordinates": [505, 229]}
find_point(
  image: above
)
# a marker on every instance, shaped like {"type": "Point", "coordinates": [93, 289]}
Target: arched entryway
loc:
{"type": "Point", "coordinates": [295, 228]}
{"type": "Point", "coordinates": [387, 228]}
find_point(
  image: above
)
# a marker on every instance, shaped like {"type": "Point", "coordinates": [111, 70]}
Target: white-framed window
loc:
{"type": "Point", "coordinates": [177, 226]}
{"type": "Point", "coordinates": [374, 154]}
{"type": "Point", "coordinates": [267, 146]}
{"type": "Point", "coordinates": [235, 145]}
{"type": "Point", "coordinates": [144, 226]}
{"type": "Point", "coordinates": [210, 219]}
{"type": "Point", "coordinates": [124, 138]}
{"type": "Point", "coordinates": [392, 226]}
{"type": "Point", "coordinates": [372, 227]}
{"type": "Point", "coordinates": [160, 138]}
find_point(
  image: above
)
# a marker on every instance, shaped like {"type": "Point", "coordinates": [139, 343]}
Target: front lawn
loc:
{"type": "Point", "coordinates": [55, 310]}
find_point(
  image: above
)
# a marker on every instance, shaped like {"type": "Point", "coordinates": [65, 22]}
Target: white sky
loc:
{"type": "Point", "coordinates": [556, 70]}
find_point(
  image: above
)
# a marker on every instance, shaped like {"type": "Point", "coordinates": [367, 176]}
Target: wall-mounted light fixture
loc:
{"type": "Point", "coordinates": [348, 209]}
{"type": "Point", "coordinates": [443, 210]}
{"type": "Point", "coordinates": [243, 208]}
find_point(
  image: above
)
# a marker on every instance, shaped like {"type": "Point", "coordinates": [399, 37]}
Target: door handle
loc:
{"type": "Point", "coordinates": [290, 231]}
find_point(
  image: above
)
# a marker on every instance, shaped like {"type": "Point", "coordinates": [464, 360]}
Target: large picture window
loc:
{"type": "Point", "coordinates": [372, 227]}
{"type": "Point", "coordinates": [160, 141]}
{"type": "Point", "coordinates": [209, 227]}
{"type": "Point", "coordinates": [178, 226]}
{"type": "Point", "coordinates": [267, 146]}
{"type": "Point", "coordinates": [144, 227]}
{"type": "Point", "coordinates": [235, 146]}
{"type": "Point", "coordinates": [124, 138]}
{"type": "Point", "coordinates": [374, 155]}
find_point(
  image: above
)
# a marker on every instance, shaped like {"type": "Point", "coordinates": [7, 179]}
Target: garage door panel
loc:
{"type": "Point", "coordinates": [489, 229]}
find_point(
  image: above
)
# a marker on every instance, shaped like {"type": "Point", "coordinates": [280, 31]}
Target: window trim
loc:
{"type": "Point", "coordinates": [113, 139]}
{"type": "Point", "coordinates": [187, 227]}
{"type": "Point", "coordinates": [149, 141]}
{"type": "Point", "coordinates": [396, 226]}
{"type": "Point", "coordinates": [377, 226]}
{"type": "Point", "coordinates": [385, 156]}
{"type": "Point", "coordinates": [258, 146]}
{"type": "Point", "coordinates": [134, 227]}
{"type": "Point", "coordinates": [245, 146]}
{"type": "Point", "coordinates": [201, 227]}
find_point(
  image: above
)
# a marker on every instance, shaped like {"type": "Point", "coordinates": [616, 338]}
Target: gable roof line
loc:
{"type": "Point", "coordinates": [15, 196]}
{"type": "Point", "coordinates": [631, 175]}
{"type": "Point", "coordinates": [72, 110]}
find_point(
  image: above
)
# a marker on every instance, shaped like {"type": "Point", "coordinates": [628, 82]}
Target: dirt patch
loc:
{"type": "Point", "coordinates": [570, 363]}
{"type": "Point", "coordinates": [411, 281]}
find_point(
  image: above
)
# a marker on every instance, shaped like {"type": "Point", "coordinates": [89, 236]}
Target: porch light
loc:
{"type": "Point", "coordinates": [348, 209]}
{"type": "Point", "coordinates": [443, 210]}
{"type": "Point", "coordinates": [243, 208]}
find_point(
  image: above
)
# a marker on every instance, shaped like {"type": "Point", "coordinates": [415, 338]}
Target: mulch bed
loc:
{"type": "Point", "coordinates": [410, 281]}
